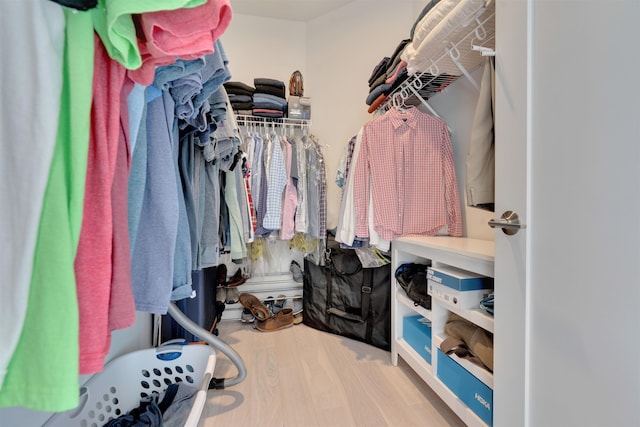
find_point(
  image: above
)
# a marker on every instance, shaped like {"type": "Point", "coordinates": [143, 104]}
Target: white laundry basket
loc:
{"type": "Point", "coordinates": [127, 379]}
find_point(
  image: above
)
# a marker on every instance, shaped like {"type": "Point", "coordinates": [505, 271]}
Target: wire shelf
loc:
{"type": "Point", "coordinates": [457, 54]}
{"type": "Point", "coordinates": [245, 120]}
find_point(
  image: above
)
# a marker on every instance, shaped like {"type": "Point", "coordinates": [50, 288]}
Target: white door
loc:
{"type": "Point", "coordinates": [511, 195]}
{"type": "Point", "coordinates": [568, 161]}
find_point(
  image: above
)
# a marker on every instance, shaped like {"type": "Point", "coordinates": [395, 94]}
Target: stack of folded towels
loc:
{"type": "Point", "coordinates": [241, 97]}
{"type": "Point", "coordinates": [269, 98]}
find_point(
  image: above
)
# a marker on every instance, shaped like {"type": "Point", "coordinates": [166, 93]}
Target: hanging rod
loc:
{"type": "Point", "coordinates": [245, 120]}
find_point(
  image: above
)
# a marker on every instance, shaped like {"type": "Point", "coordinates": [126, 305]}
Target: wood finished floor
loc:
{"type": "Point", "coordinates": [306, 378]}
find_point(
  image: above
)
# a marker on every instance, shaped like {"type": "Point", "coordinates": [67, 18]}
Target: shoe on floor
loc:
{"type": "Point", "coordinates": [269, 302]}
{"type": "Point", "coordinates": [297, 318]}
{"type": "Point", "coordinates": [221, 275]}
{"type": "Point", "coordinates": [281, 320]}
{"type": "Point", "coordinates": [279, 303]}
{"type": "Point", "coordinates": [247, 316]}
{"type": "Point", "coordinates": [232, 296]}
{"type": "Point", "coordinates": [237, 279]}
{"type": "Point", "coordinates": [295, 303]}
{"type": "Point", "coordinates": [254, 305]}
{"type": "Point", "coordinates": [221, 294]}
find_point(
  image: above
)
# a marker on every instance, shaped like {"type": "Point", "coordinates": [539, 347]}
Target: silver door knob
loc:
{"type": "Point", "coordinates": [509, 222]}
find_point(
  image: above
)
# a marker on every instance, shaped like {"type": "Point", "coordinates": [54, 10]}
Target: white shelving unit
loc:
{"type": "Point", "coordinates": [468, 254]}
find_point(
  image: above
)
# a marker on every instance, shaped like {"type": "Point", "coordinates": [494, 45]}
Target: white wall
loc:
{"type": "Point", "coordinates": [343, 47]}
{"type": "Point", "coordinates": [265, 47]}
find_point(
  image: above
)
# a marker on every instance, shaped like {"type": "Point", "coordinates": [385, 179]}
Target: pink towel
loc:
{"type": "Point", "coordinates": [186, 33]}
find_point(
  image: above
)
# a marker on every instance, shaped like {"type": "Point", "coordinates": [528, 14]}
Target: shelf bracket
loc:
{"type": "Point", "coordinates": [454, 54]}
{"type": "Point", "coordinates": [426, 104]}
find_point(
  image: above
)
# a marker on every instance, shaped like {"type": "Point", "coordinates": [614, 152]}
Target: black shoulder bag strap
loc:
{"type": "Point", "coordinates": [367, 288]}
{"type": "Point", "coordinates": [328, 268]}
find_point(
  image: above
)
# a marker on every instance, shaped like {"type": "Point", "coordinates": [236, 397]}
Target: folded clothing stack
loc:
{"type": "Point", "coordinates": [386, 76]}
{"type": "Point", "coordinates": [241, 97]}
{"type": "Point", "coordinates": [269, 98]}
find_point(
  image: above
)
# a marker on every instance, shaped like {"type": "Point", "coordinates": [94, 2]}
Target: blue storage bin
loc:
{"type": "Point", "coordinates": [473, 392]}
{"type": "Point", "coordinates": [418, 335]}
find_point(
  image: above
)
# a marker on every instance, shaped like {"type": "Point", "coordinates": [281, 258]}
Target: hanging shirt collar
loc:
{"type": "Point", "coordinates": [403, 117]}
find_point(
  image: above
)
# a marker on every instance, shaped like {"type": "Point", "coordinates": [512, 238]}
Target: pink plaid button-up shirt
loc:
{"type": "Point", "coordinates": [406, 160]}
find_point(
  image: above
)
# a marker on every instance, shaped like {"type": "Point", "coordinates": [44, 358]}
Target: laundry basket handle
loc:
{"type": "Point", "coordinates": [169, 352]}
{"type": "Point", "coordinates": [82, 401]}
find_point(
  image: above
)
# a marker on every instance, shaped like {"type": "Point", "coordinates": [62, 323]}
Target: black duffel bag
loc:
{"type": "Point", "coordinates": [346, 299]}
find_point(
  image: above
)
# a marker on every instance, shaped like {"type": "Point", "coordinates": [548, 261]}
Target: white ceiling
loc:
{"type": "Point", "coordinates": [292, 10]}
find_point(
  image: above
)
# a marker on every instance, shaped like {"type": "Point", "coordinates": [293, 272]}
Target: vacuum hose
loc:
{"type": "Point", "coordinates": [214, 342]}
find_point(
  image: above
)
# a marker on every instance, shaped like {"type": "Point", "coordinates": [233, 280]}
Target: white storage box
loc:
{"type": "Point", "coordinates": [458, 279]}
{"type": "Point", "coordinates": [454, 299]}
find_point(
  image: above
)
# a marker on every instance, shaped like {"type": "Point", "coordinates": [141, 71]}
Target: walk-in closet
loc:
{"type": "Point", "coordinates": [305, 212]}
